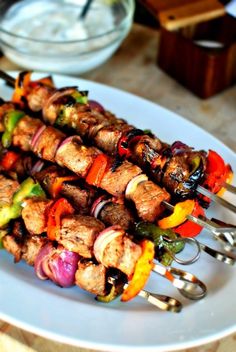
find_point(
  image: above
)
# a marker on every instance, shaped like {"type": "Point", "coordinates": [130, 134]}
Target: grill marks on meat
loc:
{"type": "Point", "coordinates": [91, 277]}
{"type": "Point", "coordinates": [34, 215]}
{"type": "Point", "coordinates": [78, 233]}
{"type": "Point", "coordinates": [81, 199]}
{"type": "Point", "coordinates": [148, 198]}
{"type": "Point", "coordinates": [48, 143]}
{"type": "Point", "coordinates": [122, 253]}
{"type": "Point", "coordinates": [115, 182]}
{"type": "Point", "coordinates": [7, 189]}
{"type": "Point", "coordinates": [32, 247]}
{"type": "Point", "coordinates": [145, 149]}
{"type": "Point", "coordinates": [76, 157]}
{"type": "Point", "coordinates": [108, 137]}
{"type": "Point", "coordinates": [24, 131]}
{"type": "Point", "coordinates": [116, 214]}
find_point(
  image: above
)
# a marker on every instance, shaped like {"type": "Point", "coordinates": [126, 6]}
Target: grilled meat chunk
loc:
{"type": "Point", "coordinates": [24, 131]}
{"type": "Point", "coordinates": [13, 246]}
{"type": "Point", "coordinates": [76, 157]}
{"type": "Point", "coordinates": [37, 97]}
{"type": "Point", "coordinates": [34, 215]}
{"type": "Point", "coordinates": [181, 175]}
{"type": "Point", "coordinates": [91, 277]}
{"type": "Point", "coordinates": [144, 150]}
{"type": "Point", "coordinates": [108, 137]}
{"type": "Point", "coordinates": [80, 198]}
{"type": "Point", "coordinates": [148, 198]}
{"type": "Point", "coordinates": [48, 142]}
{"type": "Point", "coordinates": [115, 182]}
{"type": "Point", "coordinates": [78, 233]}
{"type": "Point", "coordinates": [7, 188]}
{"type": "Point", "coordinates": [122, 253]}
{"type": "Point", "coordinates": [116, 214]}
{"type": "Point", "coordinates": [32, 247]}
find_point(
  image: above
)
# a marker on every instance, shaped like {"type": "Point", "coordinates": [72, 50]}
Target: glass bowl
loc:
{"type": "Point", "coordinates": [51, 35]}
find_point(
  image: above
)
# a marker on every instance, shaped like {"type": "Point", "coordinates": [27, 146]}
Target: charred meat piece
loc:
{"type": "Point", "coordinates": [34, 215]}
{"type": "Point", "coordinates": [115, 182]}
{"type": "Point", "coordinates": [181, 175]}
{"type": "Point", "coordinates": [116, 214]}
{"type": "Point", "coordinates": [148, 198]}
{"type": "Point", "coordinates": [37, 97]}
{"type": "Point", "coordinates": [91, 277]}
{"type": "Point", "coordinates": [107, 138]}
{"type": "Point", "coordinates": [78, 233]}
{"type": "Point", "coordinates": [80, 198]}
{"type": "Point", "coordinates": [48, 143]}
{"type": "Point", "coordinates": [24, 131]}
{"type": "Point", "coordinates": [144, 150]}
{"type": "Point", "coordinates": [76, 157]}
{"type": "Point", "coordinates": [122, 253]}
{"type": "Point", "coordinates": [7, 188]}
{"type": "Point", "coordinates": [80, 195]}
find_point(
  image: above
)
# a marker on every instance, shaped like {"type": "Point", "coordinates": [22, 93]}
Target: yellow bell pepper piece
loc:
{"type": "Point", "coordinates": [142, 271]}
{"type": "Point", "coordinates": [179, 215]}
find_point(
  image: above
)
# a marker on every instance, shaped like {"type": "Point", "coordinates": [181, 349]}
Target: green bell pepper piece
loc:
{"type": "Point", "coordinates": [9, 212]}
{"type": "Point", "coordinates": [28, 189]}
{"type": "Point", "coordinates": [80, 97]}
{"type": "Point", "coordinates": [10, 121]}
{"type": "Point", "coordinates": [157, 235]}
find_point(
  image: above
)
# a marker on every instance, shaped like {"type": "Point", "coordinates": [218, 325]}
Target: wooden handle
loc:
{"type": "Point", "coordinates": [191, 13]}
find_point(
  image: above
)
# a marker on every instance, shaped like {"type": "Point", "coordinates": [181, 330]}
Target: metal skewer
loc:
{"type": "Point", "coordinates": [202, 222]}
{"type": "Point", "coordinates": [187, 284]}
{"type": "Point", "coordinates": [229, 187]}
{"type": "Point", "coordinates": [163, 302]}
{"type": "Point", "coordinates": [216, 198]}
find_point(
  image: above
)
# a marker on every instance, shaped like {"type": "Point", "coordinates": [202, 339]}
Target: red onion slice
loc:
{"type": "Point", "coordinates": [179, 147]}
{"type": "Point", "coordinates": [37, 167]}
{"type": "Point", "coordinates": [57, 264]}
{"type": "Point", "coordinates": [94, 105]}
{"type": "Point", "coordinates": [41, 257]}
{"type": "Point", "coordinates": [97, 206]}
{"type": "Point", "coordinates": [36, 137]}
{"type": "Point", "coordinates": [104, 238]}
{"type": "Point", "coordinates": [58, 94]}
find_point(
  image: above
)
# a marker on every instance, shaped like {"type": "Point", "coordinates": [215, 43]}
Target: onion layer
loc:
{"type": "Point", "coordinates": [57, 264]}
{"type": "Point", "coordinates": [104, 238]}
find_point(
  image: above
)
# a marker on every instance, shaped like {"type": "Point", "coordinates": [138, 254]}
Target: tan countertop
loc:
{"type": "Point", "coordinates": [133, 68]}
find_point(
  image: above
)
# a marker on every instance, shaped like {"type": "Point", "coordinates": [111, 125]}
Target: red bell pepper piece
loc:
{"type": "Point", "coordinates": [9, 159]}
{"type": "Point", "coordinates": [59, 209]}
{"type": "Point", "coordinates": [189, 228]}
{"type": "Point", "coordinates": [217, 172]}
{"type": "Point", "coordinates": [97, 170]}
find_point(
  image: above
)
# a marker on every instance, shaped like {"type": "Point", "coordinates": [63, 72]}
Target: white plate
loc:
{"type": "Point", "coordinates": [73, 316]}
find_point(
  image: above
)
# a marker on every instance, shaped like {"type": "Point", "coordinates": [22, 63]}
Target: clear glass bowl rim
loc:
{"type": "Point", "coordinates": [128, 18]}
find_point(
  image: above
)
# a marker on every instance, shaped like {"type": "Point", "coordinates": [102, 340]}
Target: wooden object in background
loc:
{"type": "Point", "coordinates": [174, 14]}
{"type": "Point", "coordinates": [204, 70]}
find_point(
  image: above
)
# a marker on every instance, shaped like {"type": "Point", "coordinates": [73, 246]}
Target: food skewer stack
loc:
{"type": "Point", "coordinates": [121, 187]}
